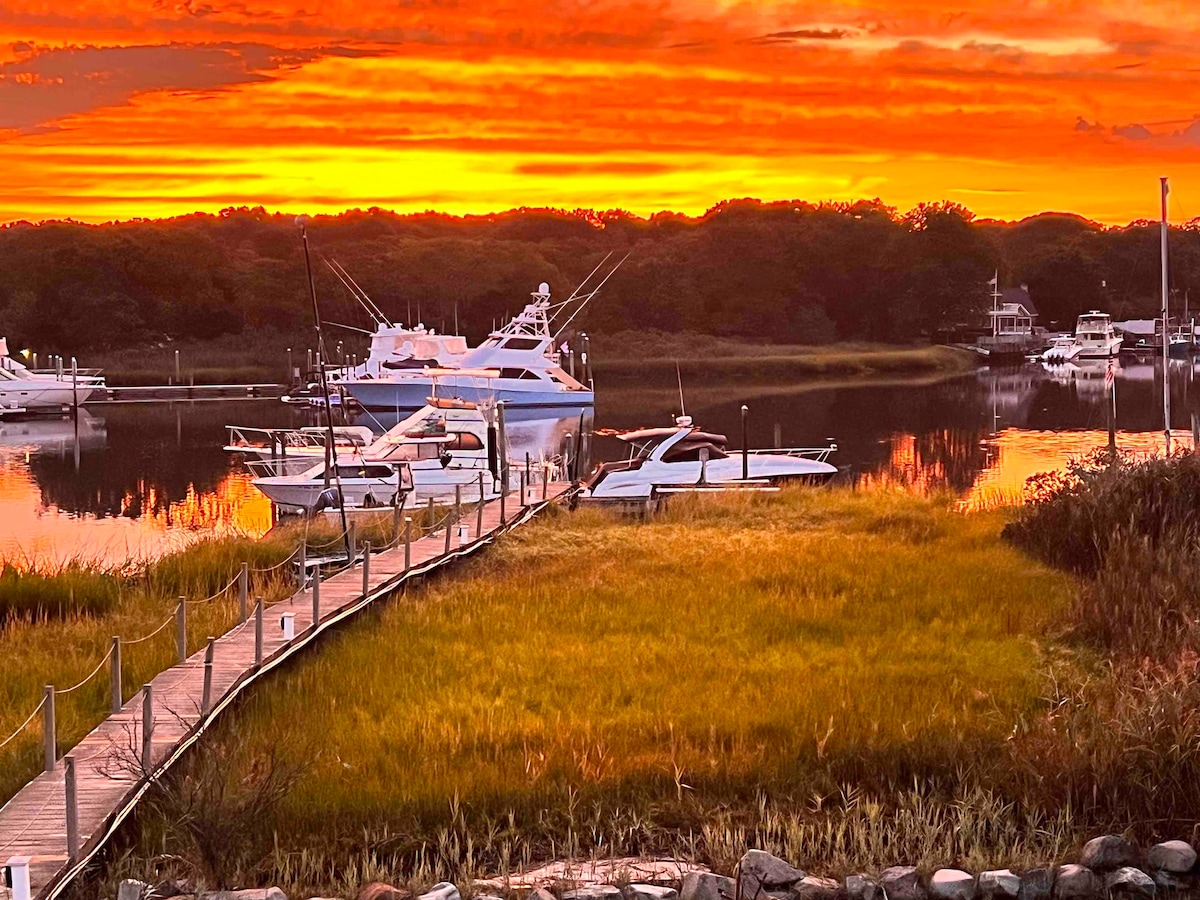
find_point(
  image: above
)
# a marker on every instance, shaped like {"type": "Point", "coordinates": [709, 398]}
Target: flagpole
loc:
{"type": "Point", "coordinates": [1165, 337]}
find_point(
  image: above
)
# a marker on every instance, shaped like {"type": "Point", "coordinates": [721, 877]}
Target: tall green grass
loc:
{"type": "Point", "coordinates": [832, 672]}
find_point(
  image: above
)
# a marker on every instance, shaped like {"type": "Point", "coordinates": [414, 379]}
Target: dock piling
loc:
{"type": "Point", "coordinates": [407, 543]}
{"type": "Point", "coordinates": [366, 568]}
{"type": "Point", "coordinates": [303, 553]}
{"type": "Point", "coordinates": [521, 475]}
{"type": "Point", "coordinates": [72, 804]}
{"type": "Point", "coordinates": [206, 696]}
{"type": "Point", "coordinates": [449, 527]}
{"type": "Point", "coordinates": [181, 629]}
{"type": "Point", "coordinates": [316, 595]}
{"type": "Point", "coordinates": [243, 591]}
{"type": "Point", "coordinates": [479, 511]}
{"type": "Point", "coordinates": [147, 728]}
{"type": "Point", "coordinates": [745, 444]}
{"type": "Point", "coordinates": [258, 632]}
{"type": "Point", "coordinates": [352, 543]}
{"type": "Point", "coordinates": [114, 663]}
{"type": "Point", "coordinates": [49, 734]}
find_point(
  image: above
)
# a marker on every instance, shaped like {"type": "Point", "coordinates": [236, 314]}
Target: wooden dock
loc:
{"type": "Point", "coordinates": [110, 775]}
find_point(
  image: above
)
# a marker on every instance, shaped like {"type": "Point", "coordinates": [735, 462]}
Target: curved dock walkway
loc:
{"type": "Point", "coordinates": [117, 762]}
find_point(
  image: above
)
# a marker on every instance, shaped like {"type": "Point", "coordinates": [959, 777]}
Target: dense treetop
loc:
{"type": "Point", "coordinates": [786, 271]}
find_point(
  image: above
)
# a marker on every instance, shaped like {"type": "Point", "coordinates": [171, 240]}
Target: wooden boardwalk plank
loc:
{"type": "Point", "coordinates": [109, 780]}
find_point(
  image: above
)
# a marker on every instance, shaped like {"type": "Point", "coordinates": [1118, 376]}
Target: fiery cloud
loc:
{"type": "Point", "coordinates": [156, 107]}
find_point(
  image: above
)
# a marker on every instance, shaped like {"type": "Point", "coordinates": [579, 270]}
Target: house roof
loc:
{"type": "Point", "coordinates": [1018, 295]}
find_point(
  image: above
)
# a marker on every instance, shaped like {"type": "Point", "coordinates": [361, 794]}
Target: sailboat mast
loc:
{"type": "Point", "coordinates": [1165, 337]}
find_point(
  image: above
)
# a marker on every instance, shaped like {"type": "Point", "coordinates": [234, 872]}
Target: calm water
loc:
{"type": "Point", "coordinates": [136, 480]}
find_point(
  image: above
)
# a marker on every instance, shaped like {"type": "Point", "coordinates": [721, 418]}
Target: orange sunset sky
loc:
{"type": "Point", "coordinates": [124, 108]}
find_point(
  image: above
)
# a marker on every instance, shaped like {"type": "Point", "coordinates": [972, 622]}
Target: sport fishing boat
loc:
{"type": "Point", "coordinates": [81, 385]}
{"type": "Point", "coordinates": [395, 348]}
{"type": "Point", "coordinates": [684, 458]}
{"type": "Point", "coordinates": [517, 364]}
{"type": "Point", "coordinates": [1095, 338]}
{"type": "Point", "coordinates": [443, 445]}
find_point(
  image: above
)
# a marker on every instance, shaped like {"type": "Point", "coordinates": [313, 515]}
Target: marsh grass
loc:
{"type": "Point", "coordinates": [829, 671]}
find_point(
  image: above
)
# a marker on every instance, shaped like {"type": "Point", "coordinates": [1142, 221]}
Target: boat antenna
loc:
{"type": "Point", "coordinates": [357, 292]}
{"type": "Point", "coordinates": [588, 298]}
{"type": "Point", "coordinates": [302, 221]}
{"type": "Point", "coordinates": [679, 378]}
{"type": "Point", "coordinates": [1166, 189]}
{"type": "Point", "coordinates": [579, 287]}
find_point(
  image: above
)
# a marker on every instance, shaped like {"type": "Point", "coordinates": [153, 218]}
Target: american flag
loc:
{"type": "Point", "coordinates": [1110, 375]}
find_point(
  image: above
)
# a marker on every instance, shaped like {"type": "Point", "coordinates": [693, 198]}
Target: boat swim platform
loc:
{"type": "Point", "coordinates": [110, 777]}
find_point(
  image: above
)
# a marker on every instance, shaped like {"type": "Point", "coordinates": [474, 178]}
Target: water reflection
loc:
{"type": "Point", "coordinates": [137, 480]}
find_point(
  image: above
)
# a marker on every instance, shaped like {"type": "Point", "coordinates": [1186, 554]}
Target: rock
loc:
{"type": "Point", "coordinates": [707, 886]}
{"type": "Point", "coordinates": [443, 890]}
{"type": "Point", "coordinates": [270, 893]}
{"type": "Point", "coordinates": [593, 892]}
{"type": "Point", "coordinates": [999, 884]}
{"type": "Point", "coordinates": [1129, 881]}
{"type": "Point", "coordinates": [1108, 852]}
{"type": "Point", "coordinates": [1172, 856]}
{"type": "Point", "coordinates": [760, 871]}
{"type": "Point", "coordinates": [377, 890]}
{"type": "Point", "coordinates": [131, 889]}
{"type": "Point", "coordinates": [952, 884]}
{"type": "Point", "coordinates": [902, 883]}
{"type": "Point", "coordinates": [812, 887]}
{"type": "Point", "coordinates": [650, 892]}
{"type": "Point", "coordinates": [859, 887]}
{"type": "Point", "coordinates": [1073, 882]}
{"type": "Point", "coordinates": [1169, 881]}
{"type": "Point", "coordinates": [1036, 884]}
{"type": "Point", "coordinates": [540, 894]}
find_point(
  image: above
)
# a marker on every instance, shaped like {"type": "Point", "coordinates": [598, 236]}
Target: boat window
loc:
{"type": "Point", "coordinates": [423, 450]}
{"type": "Point", "coordinates": [689, 451]}
{"type": "Point", "coordinates": [520, 343]}
{"type": "Point", "coordinates": [521, 374]}
{"type": "Point", "coordinates": [365, 472]}
{"type": "Point", "coordinates": [464, 440]}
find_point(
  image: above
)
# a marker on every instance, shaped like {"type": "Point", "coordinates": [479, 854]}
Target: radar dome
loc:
{"type": "Point", "coordinates": [543, 288]}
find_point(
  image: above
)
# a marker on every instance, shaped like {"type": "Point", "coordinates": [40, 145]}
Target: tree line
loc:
{"type": "Point", "coordinates": [787, 271]}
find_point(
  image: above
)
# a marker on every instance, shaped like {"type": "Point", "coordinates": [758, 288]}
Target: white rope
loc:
{"type": "Point", "coordinates": [282, 562]}
{"type": "Point", "coordinates": [220, 592]}
{"type": "Point", "coordinates": [93, 674]}
{"type": "Point", "coordinates": [150, 635]}
{"type": "Point", "coordinates": [12, 737]}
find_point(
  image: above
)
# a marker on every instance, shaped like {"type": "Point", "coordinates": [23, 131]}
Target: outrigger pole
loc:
{"type": "Point", "coordinates": [331, 451]}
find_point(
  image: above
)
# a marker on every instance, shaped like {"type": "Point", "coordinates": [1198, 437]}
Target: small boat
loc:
{"type": "Point", "coordinates": [361, 484]}
{"type": "Point", "coordinates": [684, 458]}
{"type": "Point", "coordinates": [24, 387]}
{"type": "Point", "coordinates": [1095, 338]}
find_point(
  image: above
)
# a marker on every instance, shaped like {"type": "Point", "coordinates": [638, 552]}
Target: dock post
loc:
{"type": "Point", "coordinates": [449, 527]}
{"type": "Point", "coordinates": [528, 482]}
{"type": "Point", "coordinates": [206, 697]}
{"type": "Point", "coordinates": [72, 810]}
{"type": "Point", "coordinates": [366, 568]}
{"type": "Point", "coordinates": [351, 543]}
{"type": "Point", "coordinates": [502, 437]}
{"type": "Point", "coordinates": [114, 662]}
{"type": "Point", "coordinates": [397, 502]}
{"type": "Point", "coordinates": [745, 445]}
{"type": "Point", "coordinates": [457, 503]}
{"type": "Point", "coordinates": [147, 728]}
{"type": "Point", "coordinates": [407, 543]}
{"type": "Point", "coordinates": [479, 511]}
{"type": "Point", "coordinates": [181, 628]}
{"type": "Point", "coordinates": [17, 867]}
{"type": "Point", "coordinates": [258, 632]}
{"type": "Point", "coordinates": [502, 507]}
{"type": "Point", "coordinates": [243, 591]}
{"type": "Point", "coordinates": [430, 520]}
{"type": "Point", "coordinates": [303, 553]}
{"type": "Point", "coordinates": [48, 728]}
{"type": "Point", "coordinates": [316, 594]}
{"type": "Point", "coordinates": [568, 454]}
{"type": "Point", "coordinates": [521, 480]}
{"type": "Point", "coordinates": [545, 482]}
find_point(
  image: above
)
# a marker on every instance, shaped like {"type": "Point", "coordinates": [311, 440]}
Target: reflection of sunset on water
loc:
{"type": "Point", "coordinates": [36, 531]}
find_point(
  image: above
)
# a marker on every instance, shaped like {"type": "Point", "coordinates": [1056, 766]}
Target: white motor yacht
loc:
{"type": "Point", "coordinates": [1095, 338]}
{"type": "Point", "coordinates": [396, 349]}
{"type": "Point", "coordinates": [682, 457]}
{"type": "Point", "coordinates": [83, 384]}
{"type": "Point", "coordinates": [443, 445]}
{"type": "Point", "coordinates": [517, 364]}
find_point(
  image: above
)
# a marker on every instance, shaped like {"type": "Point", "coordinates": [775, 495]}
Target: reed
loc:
{"type": "Point", "coordinates": [832, 672]}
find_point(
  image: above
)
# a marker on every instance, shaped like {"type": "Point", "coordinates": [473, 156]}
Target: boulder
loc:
{"type": "Point", "coordinates": [443, 890]}
{"type": "Point", "coordinates": [759, 872]}
{"type": "Point", "coordinates": [639, 891]}
{"type": "Point", "coordinates": [540, 894]}
{"type": "Point", "coordinates": [269, 893]}
{"type": "Point", "coordinates": [1172, 856]}
{"type": "Point", "coordinates": [171, 888]}
{"type": "Point", "coordinates": [594, 892]}
{"type": "Point", "coordinates": [377, 890]}
{"type": "Point", "coordinates": [1129, 882]}
{"type": "Point", "coordinates": [860, 887]}
{"type": "Point", "coordinates": [1169, 881]}
{"type": "Point", "coordinates": [1000, 884]}
{"type": "Point", "coordinates": [707, 886]}
{"type": "Point", "coordinates": [1072, 882]}
{"type": "Point", "coordinates": [1036, 884]}
{"type": "Point", "coordinates": [812, 887]}
{"type": "Point", "coordinates": [1108, 852]}
{"type": "Point", "coordinates": [132, 889]}
{"type": "Point", "coordinates": [952, 884]}
{"type": "Point", "coordinates": [902, 883]}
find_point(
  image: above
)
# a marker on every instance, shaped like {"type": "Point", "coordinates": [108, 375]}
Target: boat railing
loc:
{"type": "Point", "coordinates": [818, 454]}
{"type": "Point", "coordinates": [250, 438]}
{"type": "Point", "coordinates": [280, 465]}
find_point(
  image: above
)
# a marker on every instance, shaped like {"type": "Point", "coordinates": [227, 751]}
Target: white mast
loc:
{"type": "Point", "coordinates": [1165, 337]}
{"type": "Point", "coordinates": [995, 304]}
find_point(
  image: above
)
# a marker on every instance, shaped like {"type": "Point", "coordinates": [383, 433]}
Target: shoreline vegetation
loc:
{"type": "Point", "coordinates": [620, 359]}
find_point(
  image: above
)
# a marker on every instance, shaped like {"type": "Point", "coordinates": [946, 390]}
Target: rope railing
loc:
{"type": "Point", "coordinates": [12, 737]}
{"type": "Point", "coordinates": [213, 597]}
{"type": "Point", "coordinates": [92, 675]}
{"type": "Point", "coordinates": [283, 562]}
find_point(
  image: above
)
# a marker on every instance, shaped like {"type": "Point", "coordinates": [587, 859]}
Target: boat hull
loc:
{"type": "Point", "coordinates": [409, 395]}
{"type": "Point", "coordinates": [645, 480]}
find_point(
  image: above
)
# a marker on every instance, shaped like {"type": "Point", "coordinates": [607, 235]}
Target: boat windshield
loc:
{"type": "Point", "coordinates": [690, 449]}
{"type": "Point", "coordinates": [644, 448]}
